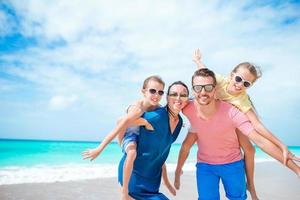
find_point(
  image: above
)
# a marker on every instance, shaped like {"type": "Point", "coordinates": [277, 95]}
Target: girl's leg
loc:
{"type": "Point", "coordinates": [249, 153]}
{"type": "Point", "coordinates": [128, 166]}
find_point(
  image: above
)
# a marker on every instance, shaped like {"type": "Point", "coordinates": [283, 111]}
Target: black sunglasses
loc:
{"type": "Point", "coordinates": [239, 79]}
{"type": "Point", "coordinates": [207, 88]}
{"type": "Point", "coordinates": [182, 97]}
{"type": "Point", "coordinates": [154, 91]}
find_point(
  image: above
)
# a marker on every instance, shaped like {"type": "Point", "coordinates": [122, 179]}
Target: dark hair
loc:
{"type": "Point", "coordinates": [253, 69]}
{"type": "Point", "coordinates": [178, 83]}
{"type": "Point", "coordinates": [153, 78]}
{"type": "Point", "coordinates": [168, 92]}
{"type": "Point", "coordinates": [204, 72]}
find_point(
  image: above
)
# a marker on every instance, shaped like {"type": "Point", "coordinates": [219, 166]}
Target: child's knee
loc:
{"type": "Point", "coordinates": [131, 151]}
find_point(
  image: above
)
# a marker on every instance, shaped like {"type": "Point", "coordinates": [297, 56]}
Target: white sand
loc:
{"type": "Point", "coordinates": [273, 182]}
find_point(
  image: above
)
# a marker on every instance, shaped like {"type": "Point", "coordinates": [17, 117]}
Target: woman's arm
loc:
{"type": "Point", "coordinates": [166, 180]}
{"type": "Point", "coordinates": [262, 130]}
{"type": "Point", "coordinates": [133, 113]}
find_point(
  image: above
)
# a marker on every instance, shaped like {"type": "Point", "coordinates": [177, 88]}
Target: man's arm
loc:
{"type": "Point", "coordinates": [188, 142]}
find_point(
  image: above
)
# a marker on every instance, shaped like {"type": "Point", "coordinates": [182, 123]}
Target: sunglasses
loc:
{"type": "Point", "coordinates": [154, 91]}
{"type": "Point", "coordinates": [207, 88]}
{"type": "Point", "coordinates": [239, 79]}
{"type": "Point", "coordinates": [182, 97]}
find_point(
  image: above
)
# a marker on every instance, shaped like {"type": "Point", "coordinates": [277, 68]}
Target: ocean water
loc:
{"type": "Point", "coordinates": [33, 161]}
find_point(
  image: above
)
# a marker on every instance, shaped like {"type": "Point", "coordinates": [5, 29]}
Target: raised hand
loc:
{"type": "Point", "coordinates": [197, 56]}
{"type": "Point", "coordinates": [197, 59]}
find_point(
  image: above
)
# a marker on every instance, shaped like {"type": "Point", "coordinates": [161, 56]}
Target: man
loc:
{"type": "Point", "coordinates": [213, 125]}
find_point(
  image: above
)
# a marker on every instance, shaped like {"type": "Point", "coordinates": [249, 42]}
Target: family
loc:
{"type": "Point", "coordinates": [223, 121]}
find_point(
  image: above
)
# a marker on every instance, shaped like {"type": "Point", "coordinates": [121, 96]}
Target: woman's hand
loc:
{"type": "Point", "coordinates": [171, 189]}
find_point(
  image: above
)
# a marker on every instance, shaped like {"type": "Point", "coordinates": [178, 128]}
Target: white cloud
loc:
{"type": "Point", "coordinates": [107, 48]}
{"type": "Point", "coordinates": [62, 102]}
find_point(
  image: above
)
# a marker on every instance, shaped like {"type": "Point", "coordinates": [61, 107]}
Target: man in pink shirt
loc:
{"type": "Point", "coordinates": [213, 125]}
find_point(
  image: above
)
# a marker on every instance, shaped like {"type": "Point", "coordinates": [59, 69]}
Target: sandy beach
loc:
{"type": "Point", "coordinates": [273, 181]}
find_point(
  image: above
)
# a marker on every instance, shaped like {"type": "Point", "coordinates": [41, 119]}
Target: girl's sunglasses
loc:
{"type": "Point", "coordinates": [207, 88]}
{"type": "Point", "coordinates": [239, 79]}
{"type": "Point", "coordinates": [154, 91]}
{"type": "Point", "coordinates": [182, 97]}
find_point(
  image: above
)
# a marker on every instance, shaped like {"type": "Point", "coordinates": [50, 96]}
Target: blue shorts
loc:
{"type": "Point", "coordinates": [232, 176]}
{"type": "Point", "coordinates": [130, 136]}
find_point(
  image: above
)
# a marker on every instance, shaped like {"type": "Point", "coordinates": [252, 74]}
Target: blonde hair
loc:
{"type": "Point", "coordinates": [253, 69]}
{"type": "Point", "coordinates": [153, 78]}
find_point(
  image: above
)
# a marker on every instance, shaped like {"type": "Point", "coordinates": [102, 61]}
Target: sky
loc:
{"type": "Point", "coordinates": [68, 69]}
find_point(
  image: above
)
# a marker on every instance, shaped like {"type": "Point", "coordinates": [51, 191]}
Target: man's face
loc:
{"type": "Point", "coordinates": [204, 90]}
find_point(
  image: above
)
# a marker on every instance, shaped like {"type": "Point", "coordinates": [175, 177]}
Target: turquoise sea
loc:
{"type": "Point", "coordinates": [28, 161]}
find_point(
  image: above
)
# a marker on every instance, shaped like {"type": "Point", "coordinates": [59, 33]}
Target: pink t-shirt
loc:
{"type": "Point", "coordinates": [217, 140]}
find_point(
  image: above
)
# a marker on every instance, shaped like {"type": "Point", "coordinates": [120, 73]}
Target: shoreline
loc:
{"type": "Point", "coordinates": [273, 181]}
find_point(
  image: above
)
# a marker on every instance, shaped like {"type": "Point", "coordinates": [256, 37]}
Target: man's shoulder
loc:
{"type": "Point", "coordinates": [189, 107]}
{"type": "Point", "coordinates": [227, 107]}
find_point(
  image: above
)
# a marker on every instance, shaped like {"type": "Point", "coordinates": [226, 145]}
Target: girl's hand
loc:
{"type": "Point", "coordinates": [285, 154]}
{"type": "Point", "coordinates": [148, 126]}
{"type": "Point", "coordinates": [293, 157]}
{"type": "Point", "coordinates": [90, 154]}
{"type": "Point", "coordinates": [197, 56]}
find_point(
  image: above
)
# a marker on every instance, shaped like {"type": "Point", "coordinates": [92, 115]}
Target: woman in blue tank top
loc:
{"type": "Point", "coordinates": [153, 146]}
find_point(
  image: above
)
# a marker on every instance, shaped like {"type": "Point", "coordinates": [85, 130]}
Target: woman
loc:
{"type": "Point", "coordinates": [153, 146]}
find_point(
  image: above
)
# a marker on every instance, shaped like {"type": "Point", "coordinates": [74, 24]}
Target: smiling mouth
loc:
{"type": "Point", "coordinates": [237, 87]}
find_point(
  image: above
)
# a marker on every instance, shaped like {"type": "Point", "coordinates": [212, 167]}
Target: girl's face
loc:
{"type": "Point", "coordinates": [240, 81]}
{"type": "Point", "coordinates": [153, 92]}
{"type": "Point", "coordinates": [177, 98]}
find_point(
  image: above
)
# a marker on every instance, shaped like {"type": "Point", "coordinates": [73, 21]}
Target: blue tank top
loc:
{"type": "Point", "coordinates": [153, 148]}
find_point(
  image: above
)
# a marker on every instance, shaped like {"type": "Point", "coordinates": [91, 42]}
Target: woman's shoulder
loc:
{"type": "Point", "coordinates": [158, 112]}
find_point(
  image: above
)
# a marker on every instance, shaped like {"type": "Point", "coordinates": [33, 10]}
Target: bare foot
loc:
{"type": "Point", "coordinates": [252, 192]}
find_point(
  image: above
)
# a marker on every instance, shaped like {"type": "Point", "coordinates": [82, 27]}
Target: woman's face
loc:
{"type": "Point", "coordinates": [240, 80]}
{"type": "Point", "coordinates": [177, 98]}
{"type": "Point", "coordinates": [153, 92]}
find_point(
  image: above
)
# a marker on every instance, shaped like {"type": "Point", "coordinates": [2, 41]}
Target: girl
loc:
{"type": "Point", "coordinates": [152, 91]}
{"type": "Point", "coordinates": [233, 90]}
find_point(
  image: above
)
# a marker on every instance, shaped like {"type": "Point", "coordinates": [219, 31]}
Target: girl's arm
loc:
{"type": "Point", "coordinates": [262, 130]}
{"type": "Point", "coordinates": [142, 122]}
{"type": "Point", "coordinates": [133, 113]}
{"type": "Point", "coordinates": [166, 180]}
{"type": "Point", "coordinates": [273, 150]}
{"type": "Point", "coordinates": [197, 59]}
